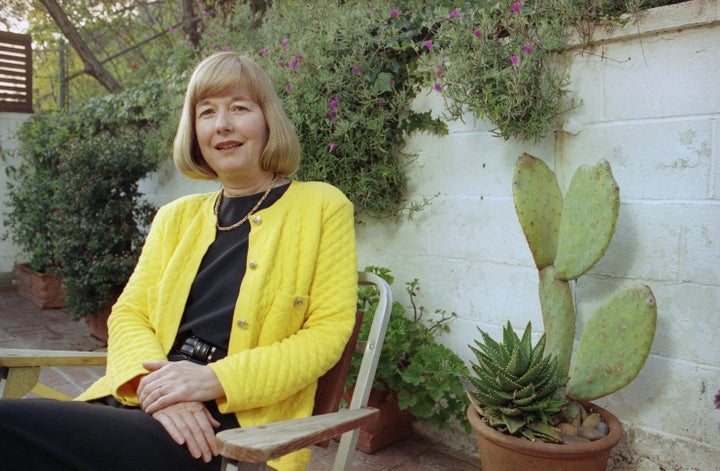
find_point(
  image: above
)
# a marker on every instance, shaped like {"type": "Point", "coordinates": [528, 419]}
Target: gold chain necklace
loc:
{"type": "Point", "coordinates": [219, 199]}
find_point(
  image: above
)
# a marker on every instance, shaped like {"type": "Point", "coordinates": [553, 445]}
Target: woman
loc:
{"type": "Point", "coordinates": [240, 300]}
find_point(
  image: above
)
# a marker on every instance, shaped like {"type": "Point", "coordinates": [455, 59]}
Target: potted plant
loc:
{"type": "Point", "coordinates": [100, 220]}
{"type": "Point", "coordinates": [30, 207]}
{"type": "Point", "coordinates": [416, 377]}
{"type": "Point", "coordinates": [567, 236]}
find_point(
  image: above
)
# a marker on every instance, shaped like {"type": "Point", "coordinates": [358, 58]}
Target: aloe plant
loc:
{"type": "Point", "coordinates": [567, 237]}
{"type": "Point", "coordinates": [515, 387]}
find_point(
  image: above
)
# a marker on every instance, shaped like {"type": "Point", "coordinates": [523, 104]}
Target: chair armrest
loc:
{"type": "Point", "coordinates": [15, 357]}
{"type": "Point", "coordinates": [20, 368]}
{"type": "Point", "coordinates": [266, 442]}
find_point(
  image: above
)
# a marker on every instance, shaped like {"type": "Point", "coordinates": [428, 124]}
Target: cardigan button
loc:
{"type": "Point", "coordinates": [252, 264]}
{"type": "Point", "coordinates": [257, 220]}
{"type": "Point", "coordinates": [242, 324]}
{"type": "Point", "coordinates": [298, 302]}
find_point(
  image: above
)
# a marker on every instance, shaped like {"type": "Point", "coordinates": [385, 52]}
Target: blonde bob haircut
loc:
{"type": "Point", "coordinates": [215, 76]}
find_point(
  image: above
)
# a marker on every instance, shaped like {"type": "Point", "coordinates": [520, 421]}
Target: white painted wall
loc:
{"type": "Point", "coordinates": [9, 123]}
{"type": "Point", "coordinates": [651, 107]}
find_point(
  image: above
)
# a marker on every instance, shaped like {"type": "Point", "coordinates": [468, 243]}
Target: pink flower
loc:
{"type": "Point", "coordinates": [262, 51]}
{"type": "Point", "coordinates": [515, 6]}
{"type": "Point", "coordinates": [477, 33]}
{"type": "Point", "coordinates": [284, 42]}
{"type": "Point", "coordinates": [171, 29]}
{"type": "Point", "coordinates": [356, 70]}
{"type": "Point", "coordinates": [438, 72]}
{"type": "Point", "coordinates": [226, 48]}
{"type": "Point", "coordinates": [331, 115]}
{"type": "Point", "coordinates": [453, 14]}
{"type": "Point", "coordinates": [334, 102]}
{"type": "Point", "coordinates": [281, 63]}
{"type": "Point", "coordinates": [394, 13]}
{"type": "Point", "coordinates": [288, 88]}
{"type": "Point", "coordinates": [293, 64]}
{"type": "Point", "coordinates": [381, 104]}
{"type": "Point", "coordinates": [391, 82]}
{"type": "Point", "coordinates": [429, 45]}
{"type": "Point", "coordinates": [299, 56]}
{"type": "Point", "coordinates": [332, 146]}
{"type": "Point", "coordinates": [437, 87]}
{"type": "Point", "coordinates": [528, 49]}
{"type": "Point", "coordinates": [514, 60]}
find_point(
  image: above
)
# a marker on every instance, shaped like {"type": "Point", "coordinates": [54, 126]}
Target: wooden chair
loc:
{"type": "Point", "coordinates": [249, 448]}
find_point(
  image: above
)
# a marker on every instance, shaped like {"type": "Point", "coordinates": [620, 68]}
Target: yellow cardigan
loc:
{"type": "Point", "coordinates": [293, 316]}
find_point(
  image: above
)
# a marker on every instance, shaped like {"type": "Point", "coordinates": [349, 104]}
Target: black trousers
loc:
{"type": "Point", "coordinates": [42, 434]}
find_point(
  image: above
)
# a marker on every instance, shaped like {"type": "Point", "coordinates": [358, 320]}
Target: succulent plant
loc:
{"type": "Point", "coordinates": [516, 388]}
{"type": "Point", "coordinates": [567, 237]}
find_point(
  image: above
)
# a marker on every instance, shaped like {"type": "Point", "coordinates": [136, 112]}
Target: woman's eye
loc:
{"type": "Point", "coordinates": [204, 111]}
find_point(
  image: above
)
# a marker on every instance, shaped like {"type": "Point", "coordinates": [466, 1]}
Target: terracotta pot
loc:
{"type": "Point", "coordinates": [97, 324]}
{"type": "Point", "coordinates": [42, 289]}
{"type": "Point", "coordinates": [392, 424]}
{"type": "Point", "coordinates": [502, 452]}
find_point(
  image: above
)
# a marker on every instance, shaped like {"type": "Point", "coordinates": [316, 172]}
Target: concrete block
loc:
{"type": "Point", "coordinates": [646, 78]}
{"type": "Point", "coordinates": [669, 395]}
{"type": "Point", "coordinates": [482, 229]}
{"type": "Point", "coordinates": [666, 160]}
{"type": "Point", "coordinates": [687, 316]}
{"type": "Point", "coordinates": [648, 242]}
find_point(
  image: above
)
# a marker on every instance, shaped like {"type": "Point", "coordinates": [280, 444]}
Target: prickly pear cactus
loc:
{"type": "Point", "coordinates": [614, 345]}
{"type": "Point", "coordinates": [567, 237]}
{"type": "Point", "coordinates": [538, 203]}
{"type": "Point", "coordinates": [588, 218]}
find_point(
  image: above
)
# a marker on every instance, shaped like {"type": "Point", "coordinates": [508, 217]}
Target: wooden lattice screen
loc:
{"type": "Point", "coordinates": [15, 72]}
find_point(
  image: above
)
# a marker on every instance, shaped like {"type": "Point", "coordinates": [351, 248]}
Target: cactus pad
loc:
{"type": "Point", "coordinates": [588, 218]}
{"type": "Point", "coordinates": [538, 203]}
{"type": "Point", "coordinates": [558, 317]}
{"type": "Point", "coordinates": [614, 344]}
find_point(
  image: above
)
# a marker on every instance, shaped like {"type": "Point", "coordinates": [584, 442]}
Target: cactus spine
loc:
{"type": "Point", "coordinates": [567, 237]}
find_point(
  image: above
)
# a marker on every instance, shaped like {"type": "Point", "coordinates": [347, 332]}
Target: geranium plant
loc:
{"type": "Point", "coordinates": [425, 374]}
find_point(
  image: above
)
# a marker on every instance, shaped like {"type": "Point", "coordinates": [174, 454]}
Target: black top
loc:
{"type": "Point", "coordinates": [211, 303]}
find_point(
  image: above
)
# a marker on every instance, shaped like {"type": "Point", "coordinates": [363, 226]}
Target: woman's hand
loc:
{"type": "Point", "coordinates": [192, 425]}
{"type": "Point", "coordinates": [174, 382]}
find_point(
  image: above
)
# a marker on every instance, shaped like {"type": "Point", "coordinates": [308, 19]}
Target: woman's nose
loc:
{"type": "Point", "coordinates": [222, 123]}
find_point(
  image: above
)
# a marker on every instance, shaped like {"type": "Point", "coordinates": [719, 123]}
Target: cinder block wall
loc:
{"type": "Point", "coordinates": [651, 107]}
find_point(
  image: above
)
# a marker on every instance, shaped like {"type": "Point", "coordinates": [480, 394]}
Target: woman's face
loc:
{"type": "Point", "coordinates": [232, 133]}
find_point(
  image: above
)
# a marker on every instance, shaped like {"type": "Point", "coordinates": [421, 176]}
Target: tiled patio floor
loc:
{"type": "Point", "coordinates": [22, 325]}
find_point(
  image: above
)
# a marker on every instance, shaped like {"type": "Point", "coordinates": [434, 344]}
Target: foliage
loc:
{"type": "Point", "coordinates": [516, 388]}
{"type": "Point", "coordinates": [500, 60]}
{"type": "Point", "coordinates": [498, 65]}
{"type": "Point", "coordinates": [98, 225]}
{"type": "Point", "coordinates": [74, 205]}
{"type": "Point", "coordinates": [425, 373]}
{"type": "Point", "coordinates": [347, 84]}
{"type": "Point", "coordinates": [31, 188]}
